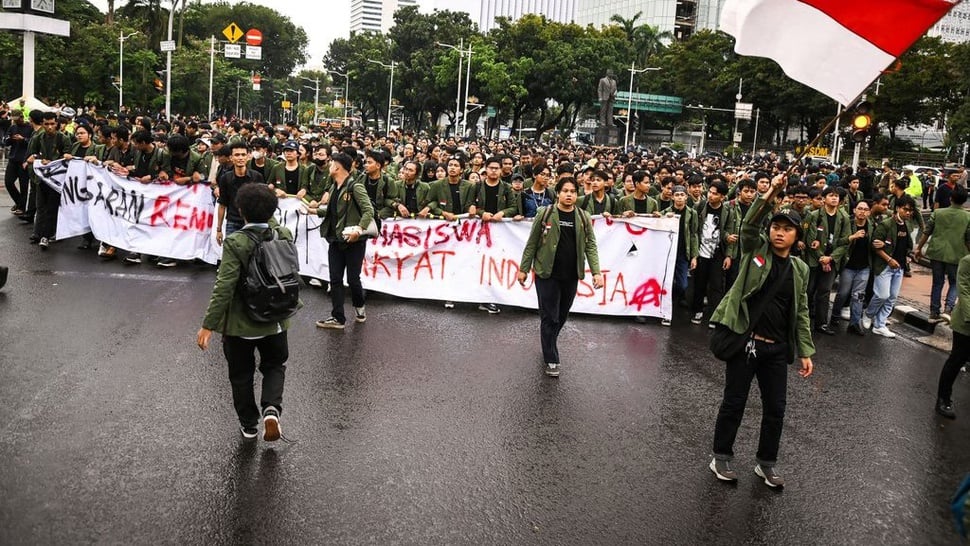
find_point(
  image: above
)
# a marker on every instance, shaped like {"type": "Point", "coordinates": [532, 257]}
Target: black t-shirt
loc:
{"type": "Point", "coordinates": [639, 206]}
{"type": "Point", "coordinates": [372, 185]}
{"type": "Point", "coordinates": [902, 243]}
{"type": "Point", "coordinates": [411, 197]}
{"type": "Point", "coordinates": [455, 198]}
{"type": "Point", "coordinates": [599, 207]}
{"type": "Point", "coordinates": [830, 219]}
{"type": "Point", "coordinates": [179, 166]}
{"type": "Point", "coordinates": [491, 197]}
{"type": "Point", "coordinates": [291, 181]}
{"type": "Point", "coordinates": [331, 218]}
{"type": "Point", "coordinates": [258, 169]}
{"type": "Point", "coordinates": [943, 194]}
{"type": "Point", "coordinates": [564, 266]}
{"type": "Point", "coordinates": [859, 257]}
{"type": "Point", "coordinates": [143, 168]}
{"type": "Point", "coordinates": [229, 185]}
{"type": "Point", "coordinates": [682, 237]}
{"type": "Point", "coordinates": [776, 318]}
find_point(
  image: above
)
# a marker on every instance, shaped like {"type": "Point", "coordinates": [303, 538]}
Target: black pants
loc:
{"type": "Point", "coordinates": [959, 355]}
{"type": "Point", "coordinates": [48, 202]}
{"type": "Point", "coordinates": [16, 173]}
{"type": "Point", "coordinates": [555, 298]}
{"type": "Point", "coordinates": [241, 355]}
{"type": "Point", "coordinates": [708, 281]}
{"type": "Point", "coordinates": [349, 258]}
{"type": "Point", "coordinates": [819, 294]}
{"type": "Point", "coordinates": [769, 364]}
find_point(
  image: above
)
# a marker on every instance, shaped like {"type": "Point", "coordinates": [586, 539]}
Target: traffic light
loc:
{"type": "Point", "coordinates": [861, 121]}
{"type": "Point", "coordinates": [159, 81]}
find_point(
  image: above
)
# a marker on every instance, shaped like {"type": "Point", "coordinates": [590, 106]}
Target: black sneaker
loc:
{"type": "Point", "coordinates": [249, 433]}
{"type": "Point", "coordinates": [491, 308]}
{"type": "Point", "coordinates": [943, 407]}
{"type": "Point", "coordinates": [855, 329]}
{"type": "Point", "coordinates": [166, 262]}
{"type": "Point", "coordinates": [772, 478]}
{"type": "Point", "coordinates": [723, 470]}
{"type": "Point", "coordinates": [552, 369]}
{"type": "Point", "coordinates": [331, 324]}
{"type": "Point", "coordinates": [360, 314]}
{"type": "Point", "coordinates": [133, 258]}
{"type": "Point", "coordinates": [271, 424]}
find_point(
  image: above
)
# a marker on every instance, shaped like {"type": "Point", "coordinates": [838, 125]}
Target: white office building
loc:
{"type": "Point", "coordinates": [954, 26]}
{"type": "Point", "coordinates": [375, 15]}
{"type": "Point", "coordinates": [679, 17]}
{"type": "Point", "coordinates": [562, 11]}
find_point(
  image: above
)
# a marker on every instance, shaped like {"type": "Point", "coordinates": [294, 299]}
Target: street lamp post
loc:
{"type": "Point", "coordinates": [346, 78]}
{"type": "Point", "coordinates": [629, 101]}
{"type": "Point", "coordinates": [390, 92]}
{"type": "Point", "coordinates": [316, 98]}
{"type": "Point", "coordinates": [461, 57]}
{"type": "Point", "coordinates": [299, 93]}
{"type": "Point", "coordinates": [282, 94]}
{"type": "Point", "coordinates": [168, 68]}
{"type": "Point", "coordinates": [121, 67]}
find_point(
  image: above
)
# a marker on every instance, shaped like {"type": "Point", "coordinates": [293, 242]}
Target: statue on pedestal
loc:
{"type": "Point", "coordinates": [607, 95]}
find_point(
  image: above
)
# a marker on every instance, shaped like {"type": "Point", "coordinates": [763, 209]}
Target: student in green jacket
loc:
{"type": "Point", "coordinates": [891, 242]}
{"type": "Point", "coordinates": [241, 336]}
{"type": "Point", "coordinates": [950, 228]}
{"type": "Point", "coordinates": [687, 244]}
{"type": "Point", "coordinates": [781, 333]}
{"type": "Point", "coordinates": [348, 207]}
{"type": "Point", "coordinates": [409, 196]}
{"type": "Point", "coordinates": [638, 202]}
{"type": "Point", "coordinates": [287, 174]}
{"type": "Point", "coordinates": [827, 234]}
{"type": "Point", "coordinates": [960, 350]}
{"type": "Point", "coordinates": [560, 244]}
{"type": "Point", "coordinates": [599, 201]}
{"type": "Point", "coordinates": [854, 261]}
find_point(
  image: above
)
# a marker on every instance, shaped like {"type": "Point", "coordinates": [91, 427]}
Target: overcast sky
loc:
{"type": "Point", "coordinates": [324, 20]}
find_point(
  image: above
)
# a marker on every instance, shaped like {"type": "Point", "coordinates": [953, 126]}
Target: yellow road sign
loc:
{"type": "Point", "coordinates": [286, 104]}
{"type": "Point", "coordinates": [232, 32]}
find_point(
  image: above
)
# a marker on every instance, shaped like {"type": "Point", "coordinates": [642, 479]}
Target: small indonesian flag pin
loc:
{"type": "Point", "coordinates": [759, 261]}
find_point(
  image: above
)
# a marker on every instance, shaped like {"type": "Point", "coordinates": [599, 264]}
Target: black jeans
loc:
{"type": "Point", "coordinates": [241, 355]}
{"type": "Point", "coordinates": [819, 294]}
{"type": "Point", "coordinates": [349, 258]}
{"type": "Point", "coordinates": [708, 281]}
{"type": "Point", "coordinates": [555, 298]}
{"type": "Point", "coordinates": [16, 173]}
{"type": "Point", "coordinates": [769, 364]}
{"type": "Point", "coordinates": [959, 355]}
{"type": "Point", "coordinates": [48, 202]}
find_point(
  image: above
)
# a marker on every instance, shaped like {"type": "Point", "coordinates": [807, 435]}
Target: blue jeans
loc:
{"type": "Point", "coordinates": [939, 270]}
{"type": "Point", "coordinates": [852, 289]}
{"type": "Point", "coordinates": [885, 290]}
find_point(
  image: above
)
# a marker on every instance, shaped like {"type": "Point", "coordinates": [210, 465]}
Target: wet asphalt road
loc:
{"type": "Point", "coordinates": [429, 426]}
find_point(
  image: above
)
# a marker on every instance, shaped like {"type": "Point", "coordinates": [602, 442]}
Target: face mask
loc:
{"type": "Point", "coordinates": [257, 155]}
{"type": "Point", "coordinates": [319, 162]}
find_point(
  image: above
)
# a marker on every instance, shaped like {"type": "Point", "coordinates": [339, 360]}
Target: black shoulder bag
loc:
{"type": "Point", "coordinates": [726, 343]}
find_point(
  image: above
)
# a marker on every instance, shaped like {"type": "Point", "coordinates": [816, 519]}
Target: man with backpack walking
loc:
{"type": "Point", "coordinates": [250, 319]}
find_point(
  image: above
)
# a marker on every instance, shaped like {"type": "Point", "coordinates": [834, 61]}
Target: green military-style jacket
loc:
{"type": "Point", "coordinates": [841, 254]}
{"type": "Point", "coordinates": [588, 203]}
{"type": "Point", "coordinates": [439, 196]}
{"type": "Point", "coordinates": [629, 203]}
{"type": "Point", "coordinates": [397, 194]}
{"type": "Point", "coordinates": [506, 199]}
{"type": "Point", "coordinates": [732, 312]}
{"type": "Point", "coordinates": [886, 232]}
{"type": "Point", "coordinates": [727, 226]}
{"type": "Point", "coordinates": [960, 318]}
{"type": "Point", "coordinates": [691, 243]}
{"type": "Point", "coordinates": [950, 231]}
{"type": "Point", "coordinates": [94, 150]}
{"type": "Point", "coordinates": [540, 248]}
{"type": "Point", "coordinates": [226, 312]}
{"type": "Point", "coordinates": [360, 212]}
{"type": "Point", "coordinates": [316, 182]}
{"type": "Point", "coordinates": [818, 230]}
{"type": "Point", "coordinates": [277, 177]}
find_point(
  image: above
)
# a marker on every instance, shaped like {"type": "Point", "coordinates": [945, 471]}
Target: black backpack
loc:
{"type": "Point", "coordinates": [270, 284]}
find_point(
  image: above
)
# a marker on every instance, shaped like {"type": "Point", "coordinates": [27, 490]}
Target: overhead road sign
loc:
{"type": "Point", "coordinates": [643, 102]}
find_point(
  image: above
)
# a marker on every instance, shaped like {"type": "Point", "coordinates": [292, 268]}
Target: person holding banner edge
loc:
{"type": "Point", "coordinates": [559, 245]}
{"type": "Point", "coordinates": [781, 332]}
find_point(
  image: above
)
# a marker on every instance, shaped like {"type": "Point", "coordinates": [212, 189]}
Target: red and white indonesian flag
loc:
{"type": "Point", "coordinates": [837, 47]}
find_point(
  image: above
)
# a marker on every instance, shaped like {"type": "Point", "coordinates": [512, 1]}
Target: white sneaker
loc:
{"type": "Point", "coordinates": [698, 318]}
{"type": "Point", "coordinates": [315, 283]}
{"type": "Point", "coordinates": [866, 321]}
{"type": "Point", "coordinates": [884, 332]}
{"type": "Point", "coordinates": [846, 313]}
{"type": "Point", "coordinates": [665, 322]}
{"type": "Point", "coordinates": [449, 305]}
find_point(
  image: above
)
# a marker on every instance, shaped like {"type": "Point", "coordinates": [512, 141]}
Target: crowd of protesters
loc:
{"type": "Point", "coordinates": [859, 230]}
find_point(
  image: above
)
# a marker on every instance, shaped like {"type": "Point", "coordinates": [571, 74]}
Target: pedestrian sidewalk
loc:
{"type": "Point", "coordinates": [913, 308]}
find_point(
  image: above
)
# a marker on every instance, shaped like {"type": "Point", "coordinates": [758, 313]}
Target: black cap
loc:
{"type": "Point", "coordinates": [518, 176]}
{"type": "Point", "coordinates": [790, 216]}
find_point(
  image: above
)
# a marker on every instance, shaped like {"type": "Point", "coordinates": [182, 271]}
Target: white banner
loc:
{"type": "Point", "coordinates": [465, 261]}
{"type": "Point", "coordinates": [477, 262]}
{"type": "Point", "coordinates": [159, 219]}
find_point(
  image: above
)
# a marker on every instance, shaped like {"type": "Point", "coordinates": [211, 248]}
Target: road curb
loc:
{"type": "Point", "coordinates": [938, 333]}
